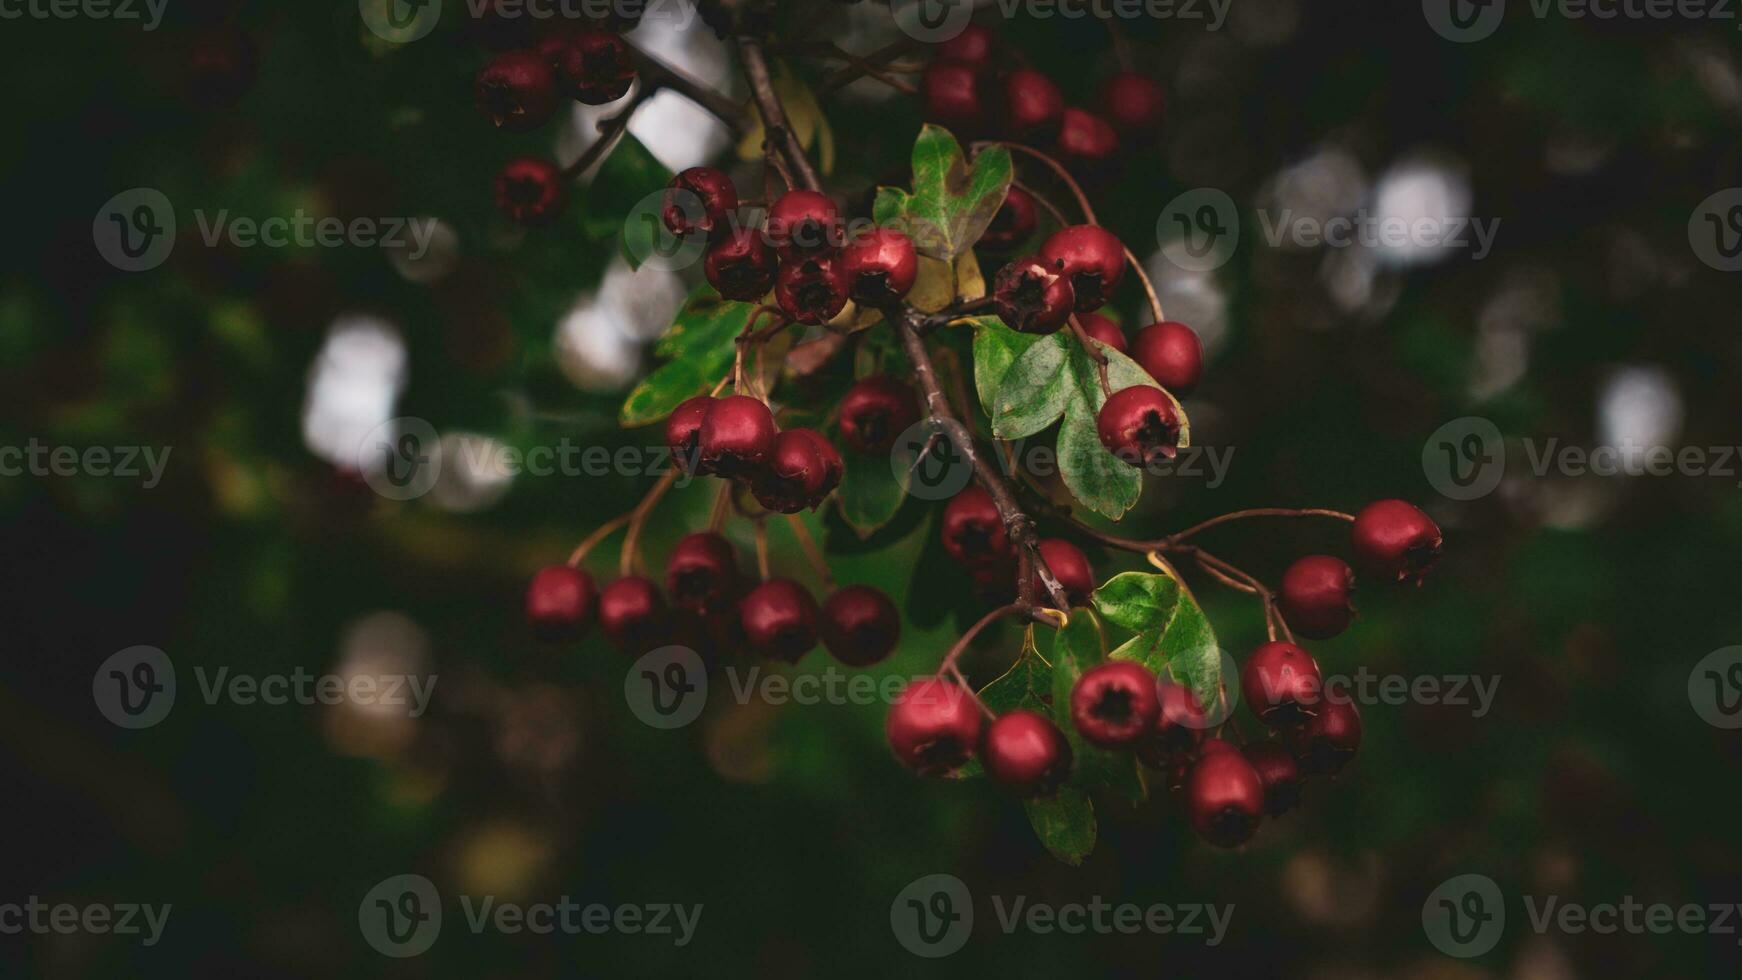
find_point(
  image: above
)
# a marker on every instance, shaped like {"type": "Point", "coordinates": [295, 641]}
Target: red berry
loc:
{"type": "Point", "coordinates": [1070, 566]}
{"type": "Point", "coordinates": [632, 613]}
{"type": "Point", "coordinates": [860, 625]}
{"type": "Point", "coordinates": [1134, 103]}
{"type": "Point", "coordinates": [683, 428]}
{"type": "Point", "coordinates": [1103, 329]}
{"type": "Point", "coordinates": [1224, 797]}
{"type": "Point", "coordinates": [1032, 105]}
{"type": "Point", "coordinates": [560, 602]}
{"type": "Point", "coordinates": [1139, 425]}
{"type": "Point", "coordinates": [1086, 142]}
{"type": "Point", "coordinates": [974, 46]}
{"type": "Point", "coordinates": [1016, 219]}
{"type": "Point", "coordinates": [1315, 596]}
{"type": "Point", "coordinates": [1031, 297]}
{"type": "Point", "coordinates": [516, 90]}
{"type": "Point", "coordinates": [1026, 753]}
{"type": "Point", "coordinates": [701, 573]}
{"type": "Point", "coordinates": [1281, 684]}
{"type": "Point", "coordinates": [1395, 541]}
{"type": "Point", "coordinates": [1172, 355]}
{"type": "Point", "coordinates": [880, 266]}
{"type": "Point", "coordinates": [952, 98]}
{"type": "Point", "coordinates": [780, 619]}
{"type": "Point", "coordinates": [740, 264]}
{"type": "Point", "coordinates": [597, 67]}
{"type": "Point", "coordinates": [812, 290]}
{"type": "Point", "coordinates": [933, 726]}
{"type": "Point", "coordinates": [973, 530]}
{"type": "Point", "coordinates": [698, 199]}
{"type": "Point", "coordinates": [1115, 704]}
{"type": "Point", "coordinates": [803, 469]}
{"type": "Point", "coordinates": [1179, 727]}
{"type": "Point", "coordinates": [737, 437]}
{"type": "Point", "coordinates": [531, 190]}
{"type": "Point", "coordinates": [805, 223]}
{"type": "Point", "coordinates": [1326, 743]}
{"type": "Point", "coordinates": [876, 410]}
{"type": "Point", "coordinates": [1280, 774]}
{"type": "Point", "coordinates": [1091, 257]}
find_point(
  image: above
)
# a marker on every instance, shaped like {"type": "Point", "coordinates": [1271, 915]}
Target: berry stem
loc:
{"type": "Point", "coordinates": [956, 311]}
{"type": "Point", "coordinates": [762, 548]}
{"type": "Point", "coordinates": [631, 553]}
{"type": "Point", "coordinates": [1043, 201]}
{"type": "Point", "coordinates": [1240, 515]}
{"type": "Point", "coordinates": [812, 553]}
{"type": "Point", "coordinates": [610, 132]}
{"type": "Point", "coordinates": [722, 507]}
{"type": "Point", "coordinates": [961, 644]}
{"type": "Point", "coordinates": [907, 322]}
{"type": "Point", "coordinates": [1095, 353]}
{"type": "Point", "coordinates": [1148, 287]}
{"type": "Point", "coordinates": [777, 132]}
{"type": "Point", "coordinates": [599, 534]}
{"type": "Point", "coordinates": [1057, 168]}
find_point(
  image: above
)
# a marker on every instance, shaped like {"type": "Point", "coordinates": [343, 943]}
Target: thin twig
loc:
{"type": "Point", "coordinates": [610, 132]}
{"type": "Point", "coordinates": [851, 74]}
{"type": "Point", "coordinates": [659, 74]}
{"type": "Point", "coordinates": [599, 534]}
{"type": "Point", "coordinates": [1095, 353]}
{"type": "Point", "coordinates": [812, 553]}
{"type": "Point", "coordinates": [1148, 287]}
{"type": "Point", "coordinates": [1057, 168]}
{"type": "Point", "coordinates": [775, 128]}
{"type": "Point", "coordinates": [762, 549]}
{"type": "Point", "coordinates": [961, 645]}
{"type": "Point", "coordinates": [631, 553]}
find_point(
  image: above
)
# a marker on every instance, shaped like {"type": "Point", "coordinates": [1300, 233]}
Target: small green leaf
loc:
{"type": "Point", "coordinates": [1065, 824]}
{"type": "Point", "coordinates": [1138, 601]}
{"type": "Point", "coordinates": [952, 202]}
{"type": "Point", "coordinates": [996, 347]}
{"type": "Point", "coordinates": [871, 494]}
{"type": "Point", "coordinates": [1035, 391]}
{"type": "Point", "coordinates": [1025, 685]}
{"type": "Point", "coordinates": [1179, 643]}
{"type": "Point", "coordinates": [700, 344]}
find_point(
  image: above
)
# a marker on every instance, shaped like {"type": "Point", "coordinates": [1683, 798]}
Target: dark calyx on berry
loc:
{"type": "Point", "coordinates": [875, 411]}
{"type": "Point", "coordinates": [1032, 297]}
{"type": "Point", "coordinates": [701, 573]}
{"type": "Point", "coordinates": [740, 264]}
{"type": "Point", "coordinates": [1139, 425]}
{"type": "Point", "coordinates": [531, 190]}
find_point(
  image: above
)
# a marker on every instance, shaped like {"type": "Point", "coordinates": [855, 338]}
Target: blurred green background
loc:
{"type": "Point", "coordinates": [1590, 598]}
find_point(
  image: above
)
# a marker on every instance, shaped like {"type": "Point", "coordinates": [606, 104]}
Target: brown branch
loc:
{"type": "Point", "coordinates": [776, 131]}
{"type": "Point", "coordinates": [610, 132]}
{"type": "Point", "coordinates": [849, 75]}
{"type": "Point", "coordinates": [657, 74]}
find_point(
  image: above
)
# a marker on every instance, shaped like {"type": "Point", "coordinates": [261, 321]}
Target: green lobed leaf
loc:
{"type": "Point", "coordinates": [1065, 824]}
{"type": "Point", "coordinates": [700, 345]}
{"type": "Point", "coordinates": [1178, 642]}
{"type": "Point", "coordinates": [996, 348]}
{"type": "Point", "coordinates": [952, 202]}
{"type": "Point", "coordinates": [1035, 391]}
{"type": "Point", "coordinates": [1026, 684]}
{"type": "Point", "coordinates": [1095, 476]}
{"type": "Point", "coordinates": [871, 494]}
{"type": "Point", "coordinates": [1138, 601]}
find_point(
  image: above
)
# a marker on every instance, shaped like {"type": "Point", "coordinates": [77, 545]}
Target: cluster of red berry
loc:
{"type": "Point", "coordinates": [936, 726]}
{"type": "Point", "coordinates": [974, 535]}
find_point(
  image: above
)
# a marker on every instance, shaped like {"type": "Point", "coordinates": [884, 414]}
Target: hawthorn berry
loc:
{"type": "Point", "coordinates": [860, 625]}
{"type": "Point", "coordinates": [1134, 103]}
{"type": "Point", "coordinates": [1070, 566]}
{"type": "Point", "coordinates": [802, 470]}
{"type": "Point", "coordinates": [1224, 796]}
{"type": "Point", "coordinates": [1281, 683]}
{"type": "Point", "coordinates": [1103, 329]}
{"type": "Point", "coordinates": [596, 67]}
{"type": "Point", "coordinates": [1280, 774]}
{"type": "Point", "coordinates": [1315, 596]}
{"type": "Point", "coordinates": [1171, 353]}
{"type": "Point", "coordinates": [1031, 297]}
{"type": "Point", "coordinates": [973, 530]}
{"type": "Point", "coordinates": [516, 90]}
{"type": "Point", "coordinates": [1115, 704]}
{"type": "Point", "coordinates": [531, 190]}
{"type": "Point", "coordinates": [779, 619]}
{"type": "Point", "coordinates": [804, 223]}
{"type": "Point", "coordinates": [1395, 541]}
{"type": "Point", "coordinates": [1085, 141]}
{"type": "Point", "coordinates": [740, 264]}
{"type": "Point", "coordinates": [1026, 753]}
{"type": "Point", "coordinates": [811, 290]}
{"type": "Point", "coordinates": [1326, 743]}
{"type": "Point", "coordinates": [1179, 728]}
{"type": "Point", "coordinates": [683, 428]}
{"type": "Point", "coordinates": [933, 726]}
{"type": "Point", "coordinates": [875, 411]}
{"type": "Point", "coordinates": [880, 265]}
{"type": "Point", "coordinates": [632, 612]}
{"type": "Point", "coordinates": [737, 437]}
{"type": "Point", "coordinates": [698, 199]}
{"type": "Point", "coordinates": [1014, 221]}
{"type": "Point", "coordinates": [1091, 258]}
{"type": "Point", "coordinates": [1139, 425]}
{"type": "Point", "coordinates": [560, 602]}
{"type": "Point", "coordinates": [974, 46]}
{"type": "Point", "coordinates": [701, 573]}
{"type": "Point", "coordinates": [951, 96]}
{"type": "Point", "coordinates": [1032, 105]}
